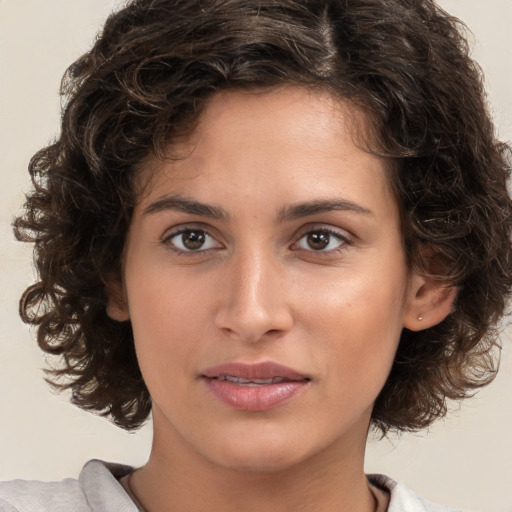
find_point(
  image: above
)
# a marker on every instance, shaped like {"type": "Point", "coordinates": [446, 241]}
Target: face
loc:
{"type": "Point", "coordinates": [265, 280]}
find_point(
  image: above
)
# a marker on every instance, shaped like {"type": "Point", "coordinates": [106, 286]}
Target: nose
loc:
{"type": "Point", "coordinates": [254, 302]}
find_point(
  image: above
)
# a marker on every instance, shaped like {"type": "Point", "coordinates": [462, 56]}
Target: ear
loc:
{"type": "Point", "coordinates": [429, 302]}
{"type": "Point", "coordinates": [117, 307]}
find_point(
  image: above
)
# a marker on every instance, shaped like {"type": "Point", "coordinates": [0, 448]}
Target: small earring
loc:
{"type": "Point", "coordinates": [420, 318]}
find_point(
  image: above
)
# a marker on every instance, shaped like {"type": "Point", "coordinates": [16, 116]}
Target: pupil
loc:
{"type": "Point", "coordinates": [193, 239]}
{"type": "Point", "coordinates": [318, 240]}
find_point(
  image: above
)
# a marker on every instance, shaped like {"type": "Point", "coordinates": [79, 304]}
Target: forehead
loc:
{"type": "Point", "coordinates": [272, 142]}
{"type": "Point", "coordinates": [297, 113]}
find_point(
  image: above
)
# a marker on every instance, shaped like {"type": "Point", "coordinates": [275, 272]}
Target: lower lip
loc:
{"type": "Point", "coordinates": [259, 397]}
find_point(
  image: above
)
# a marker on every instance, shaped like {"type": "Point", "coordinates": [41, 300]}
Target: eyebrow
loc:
{"type": "Point", "coordinates": [186, 206]}
{"type": "Point", "coordinates": [320, 206]}
{"type": "Point", "coordinates": [287, 213]}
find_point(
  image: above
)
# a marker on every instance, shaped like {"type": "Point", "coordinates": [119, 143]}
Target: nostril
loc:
{"type": "Point", "coordinates": [253, 321]}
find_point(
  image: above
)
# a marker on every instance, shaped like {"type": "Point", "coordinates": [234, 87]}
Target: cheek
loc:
{"type": "Point", "coordinates": [354, 300]}
{"type": "Point", "coordinates": [356, 321]}
{"type": "Point", "coordinates": [166, 323]}
{"type": "Point", "coordinates": [160, 295]}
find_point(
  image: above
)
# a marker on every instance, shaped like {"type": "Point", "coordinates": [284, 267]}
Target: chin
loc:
{"type": "Point", "coordinates": [259, 463]}
{"type": "Point", "coordinates": [264, 455]}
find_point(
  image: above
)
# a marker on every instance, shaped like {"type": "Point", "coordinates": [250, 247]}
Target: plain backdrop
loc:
{"type": "Point", "coordinates": [465, 460]}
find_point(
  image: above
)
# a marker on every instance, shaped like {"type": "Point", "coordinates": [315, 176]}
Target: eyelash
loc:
{"type": "Point", "coordinates": [168, 241]}
{"type": "Point", "coordinates": [343, 239]}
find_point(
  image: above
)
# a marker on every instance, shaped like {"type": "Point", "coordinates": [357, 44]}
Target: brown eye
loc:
{"type": "Point", "coordinates": [318, 240]}
{"type": "Point", "coordinates": [192, 240]}
{"type": "Point", "coordinates": [322, 240]}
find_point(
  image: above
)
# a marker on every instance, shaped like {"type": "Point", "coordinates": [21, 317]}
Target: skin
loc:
{"type": "Point", "coordinates": [257, 291]}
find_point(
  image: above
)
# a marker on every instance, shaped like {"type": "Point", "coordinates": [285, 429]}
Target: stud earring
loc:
{"type": "Point", "coordinates": [420, 318]}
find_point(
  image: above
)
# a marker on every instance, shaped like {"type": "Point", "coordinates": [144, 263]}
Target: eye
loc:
{"type": "Point", "coordinates": [191, 240]}
{"type": "Point", "coordinates": [321, 240]}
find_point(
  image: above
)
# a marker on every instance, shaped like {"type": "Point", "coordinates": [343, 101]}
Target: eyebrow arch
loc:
{"type": "Point", "coordinates": [321, 206]}
{"type": "Point", "coordinates": [185, 206]}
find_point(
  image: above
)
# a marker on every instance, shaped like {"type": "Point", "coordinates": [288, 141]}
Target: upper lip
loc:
{"type": "Point", "coordinates": [265, 370]}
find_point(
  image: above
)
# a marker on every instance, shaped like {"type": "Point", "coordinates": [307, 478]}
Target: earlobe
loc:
{"type": "Point", "coordinates": [117, 308]}
{"type": "Point", "coordinates": [429, 303]}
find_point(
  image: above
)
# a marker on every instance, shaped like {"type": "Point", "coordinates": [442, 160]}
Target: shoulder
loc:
{"type": "Point", "coordinates": [34, 496]}
{"type": "Point", "coordinates": [97, 485]}
{"type": "Point", "coordinates": [404, 499]}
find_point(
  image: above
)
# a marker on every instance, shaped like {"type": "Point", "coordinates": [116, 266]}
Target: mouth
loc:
{"type": "Point", "coordinates": [250, 382]}
{"type": "Point", "coordinates": [259, 373]}
{"type": "Point", "coordinates": [254, 387]}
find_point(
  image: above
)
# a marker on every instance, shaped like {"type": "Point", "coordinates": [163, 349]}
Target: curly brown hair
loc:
{"type": "Point", "coordinates": [144, 84]}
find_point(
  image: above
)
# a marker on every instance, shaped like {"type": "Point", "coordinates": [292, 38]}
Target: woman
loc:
{"type": "Point", "coordinates": [274, 226]}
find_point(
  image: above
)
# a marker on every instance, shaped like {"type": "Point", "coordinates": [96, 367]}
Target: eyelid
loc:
{"type": "Point", "coordinates": [345, 238]}
{"type": "Point", "coordinates": [176, 231]}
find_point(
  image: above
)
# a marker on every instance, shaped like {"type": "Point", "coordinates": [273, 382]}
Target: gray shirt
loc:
{"type": "Point", "coordinates": [97, 489]}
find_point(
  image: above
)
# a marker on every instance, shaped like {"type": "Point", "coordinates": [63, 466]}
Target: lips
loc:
{"type": "Point", "coordinates": [255, 382]}
{"type": "Point", "coordinates": [254, 387]}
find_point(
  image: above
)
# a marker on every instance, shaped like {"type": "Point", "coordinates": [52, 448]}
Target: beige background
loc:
{"type": "Point", "coordinates": [465, 460]}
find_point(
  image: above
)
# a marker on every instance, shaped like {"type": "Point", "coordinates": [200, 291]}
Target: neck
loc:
{"type": "Point", "coordinates": [177, 479]}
